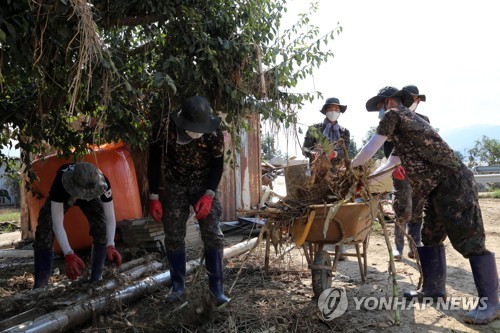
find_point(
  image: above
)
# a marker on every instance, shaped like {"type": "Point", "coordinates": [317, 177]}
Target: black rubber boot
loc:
{"type": "Point", "coordinates": [213, 261]}
{"type": "Point", "coordinates": [43, 267]}
{"type": "Point", "coordinates": [433, 261]}
{"type": "Point", "coordinates": [98, 258]}
{"type": "Point", "coordinates": [177, 275]}
{"type": "Point", "coordinates": [484, 270]}
{"type": "Point", "coordinates": [414, 231]}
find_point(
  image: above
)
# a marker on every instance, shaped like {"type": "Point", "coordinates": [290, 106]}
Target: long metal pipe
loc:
{"type": "Point", "coordinates": [79, 313]}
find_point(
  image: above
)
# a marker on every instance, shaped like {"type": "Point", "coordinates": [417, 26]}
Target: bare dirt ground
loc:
{"type": "Point", "coordinates": [281, 299]}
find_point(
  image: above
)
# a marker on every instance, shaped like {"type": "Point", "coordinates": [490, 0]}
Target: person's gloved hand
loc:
{"type": "Point", "coordinates": [113, 255]}
{"type": "Point", "coordinates": [314, 155]}
{"type": "Point", "coordinates": [332, 155]}
{"type": "Point", "coordinates": [399, 173]}
{"type": "Point", "coordinates": [203, 207]}
{"type": "Point", "coordinates": [73, 266]}
{"type": "Point", "coordinates": [359, 186]}
{"type": "Point", "coordinates": [155, 209]}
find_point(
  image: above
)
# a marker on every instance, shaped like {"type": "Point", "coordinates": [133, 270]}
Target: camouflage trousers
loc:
{"type": "Point", "coordinates": [408, 205]}
{"type": "Point", "coordinates": [93, 211]}
{"type": "Point", "coordinates": [409, 208]}
{"type": "Point", "coordinates": [176, 202]}
{"type": "Point", "coordinates": [452, 210]}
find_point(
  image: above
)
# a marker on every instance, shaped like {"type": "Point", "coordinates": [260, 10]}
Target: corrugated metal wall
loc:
{"type": "Point", "coordinates": [240, 188]}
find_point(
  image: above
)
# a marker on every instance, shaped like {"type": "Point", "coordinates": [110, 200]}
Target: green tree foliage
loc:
{"type": "Point", "coordinates": [268, 147]}
{"type": "Point", "coordinates": [486, 151]}
{"type": "Point", "coordinates": [78, 73]}
{"type": "Point", "coordinates": [371, 132]}
{"type": "Point", "coordinates": [459, 155]}
{"type": "Point", "coordinates": [353, 148]}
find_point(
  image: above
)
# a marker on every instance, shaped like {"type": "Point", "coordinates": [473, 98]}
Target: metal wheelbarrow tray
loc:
{"type": "Point", "coordinates": [346, 223]}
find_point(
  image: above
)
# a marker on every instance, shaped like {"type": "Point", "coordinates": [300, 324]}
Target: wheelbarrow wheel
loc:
{"type": "Point", "coordinates": [321, 277]}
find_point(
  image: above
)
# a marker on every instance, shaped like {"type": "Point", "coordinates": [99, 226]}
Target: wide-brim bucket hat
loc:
{"type": "Point", "coordinates": [413, 90]}
{"type": "Point", "coordinates": [196, 116]}
{"type": "Point", "coordinates": [333, 101]}
{"type": "Point", "coordinates": [405, 96]}
{"type": "Point", "coordinates": [84, 181]}
{"type": "Point", "coordinates": [385, 92]}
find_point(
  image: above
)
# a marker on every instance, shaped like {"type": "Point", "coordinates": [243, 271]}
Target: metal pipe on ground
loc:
{"type": "Point", "coordinates": [78, 314]}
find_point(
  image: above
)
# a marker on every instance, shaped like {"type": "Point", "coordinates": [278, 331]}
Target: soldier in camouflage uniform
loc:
{"type": "Point", "coordinates": [82, 185]}
{"type": "Point", "coordinates": [193, 152]}
{"type": "Point", "coordinates": [452, 209]}
{"type": "Point", "coordinates": [408, 205]}
{"type": "Point", "coordinates": [331, 131]}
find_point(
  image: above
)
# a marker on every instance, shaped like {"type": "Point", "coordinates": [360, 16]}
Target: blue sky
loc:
{"type": "Point", "coordinates": [449, 49]}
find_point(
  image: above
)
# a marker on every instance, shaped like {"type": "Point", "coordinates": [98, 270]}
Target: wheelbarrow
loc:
{"type": "Point", "coordinates": [338, 224]}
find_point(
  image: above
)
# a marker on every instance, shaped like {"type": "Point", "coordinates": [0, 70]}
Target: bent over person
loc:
{"type": "Point", "coordinates": [452, 210]}
{"type": "Point", "coordinates": [408, 205]}
{"type": "Point", "coordinates": [83, 185]}
{"type": "Point", "coordinates": [193, 151]}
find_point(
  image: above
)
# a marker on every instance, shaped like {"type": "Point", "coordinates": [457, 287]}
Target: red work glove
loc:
{"type": "Point", "coordinates": [155, 209]}
{"type": "Point", "coordinates": [113, 255]}
{"type": "Point", "coordinates": [332, 155]}
{"type": "Point", "coordinates": [399, 173]}
{"type": "Point", "coordinates": [73, 266]}
{"type": "Point", "coordinates": [203, 207]}
{"type": "Point", "coordinates": [359, 187]}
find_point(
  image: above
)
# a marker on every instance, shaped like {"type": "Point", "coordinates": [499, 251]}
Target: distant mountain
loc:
{"type": "Point", "coordinates": [463, 139]}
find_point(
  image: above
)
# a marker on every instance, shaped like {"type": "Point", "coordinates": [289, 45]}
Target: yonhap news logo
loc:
{"type": "Point", "coordinates": [333, 303]}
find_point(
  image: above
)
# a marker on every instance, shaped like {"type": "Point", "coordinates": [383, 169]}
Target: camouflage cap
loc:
{"type": "Point", "coordinates": [84, 181]}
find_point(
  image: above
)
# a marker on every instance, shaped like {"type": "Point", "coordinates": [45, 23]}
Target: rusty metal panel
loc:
{"type": "Point", "coordinates": [227, 186]}
{"type": "Point", "coordinates": [248, 180]}
{"type": "Point", "coordinates": [254, 160]}
{"type": "Point", "coordinates": [240, 187]}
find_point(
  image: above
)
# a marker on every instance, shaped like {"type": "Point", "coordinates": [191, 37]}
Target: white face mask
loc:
{"type": "Point", "coordinates": [413, 107]}
{"type": "Point", "coordinates": [381, 112]}
{"type": "Point", "coordinates": [332, 115]}
{"type": "Point", "coordinates": [194, 135]}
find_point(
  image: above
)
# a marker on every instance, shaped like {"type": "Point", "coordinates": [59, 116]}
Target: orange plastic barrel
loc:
{"type": "Point", "coordinates": [116, 163]}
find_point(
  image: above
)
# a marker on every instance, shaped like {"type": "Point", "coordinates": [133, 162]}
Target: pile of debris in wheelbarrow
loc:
{"type": "Point", "coordinates": [328, 203]}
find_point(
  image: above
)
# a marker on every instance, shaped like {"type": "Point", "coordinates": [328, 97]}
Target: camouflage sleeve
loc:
{"type": "Point", "coordinates": [310, 140]}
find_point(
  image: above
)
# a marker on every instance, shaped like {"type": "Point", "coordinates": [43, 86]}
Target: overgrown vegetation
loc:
{"type": "Point", "coordinates": [486, 151]}
{"type": "Point", "coordinates": [9, 215]}
{"type": "Point", "coordinates": [78, 73]}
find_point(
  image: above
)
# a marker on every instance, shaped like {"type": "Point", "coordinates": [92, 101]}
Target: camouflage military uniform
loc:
{"type": "Point", "coordinates": [44, 235]}
{"type": "Point", "coordinates": [435, 174]}
{"type": "Point", "coordinates": [187, 174]}
{"type": "Point", "coordinates": [92, 209]}
{"type": "Point", "coordinates": [314, 135]}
